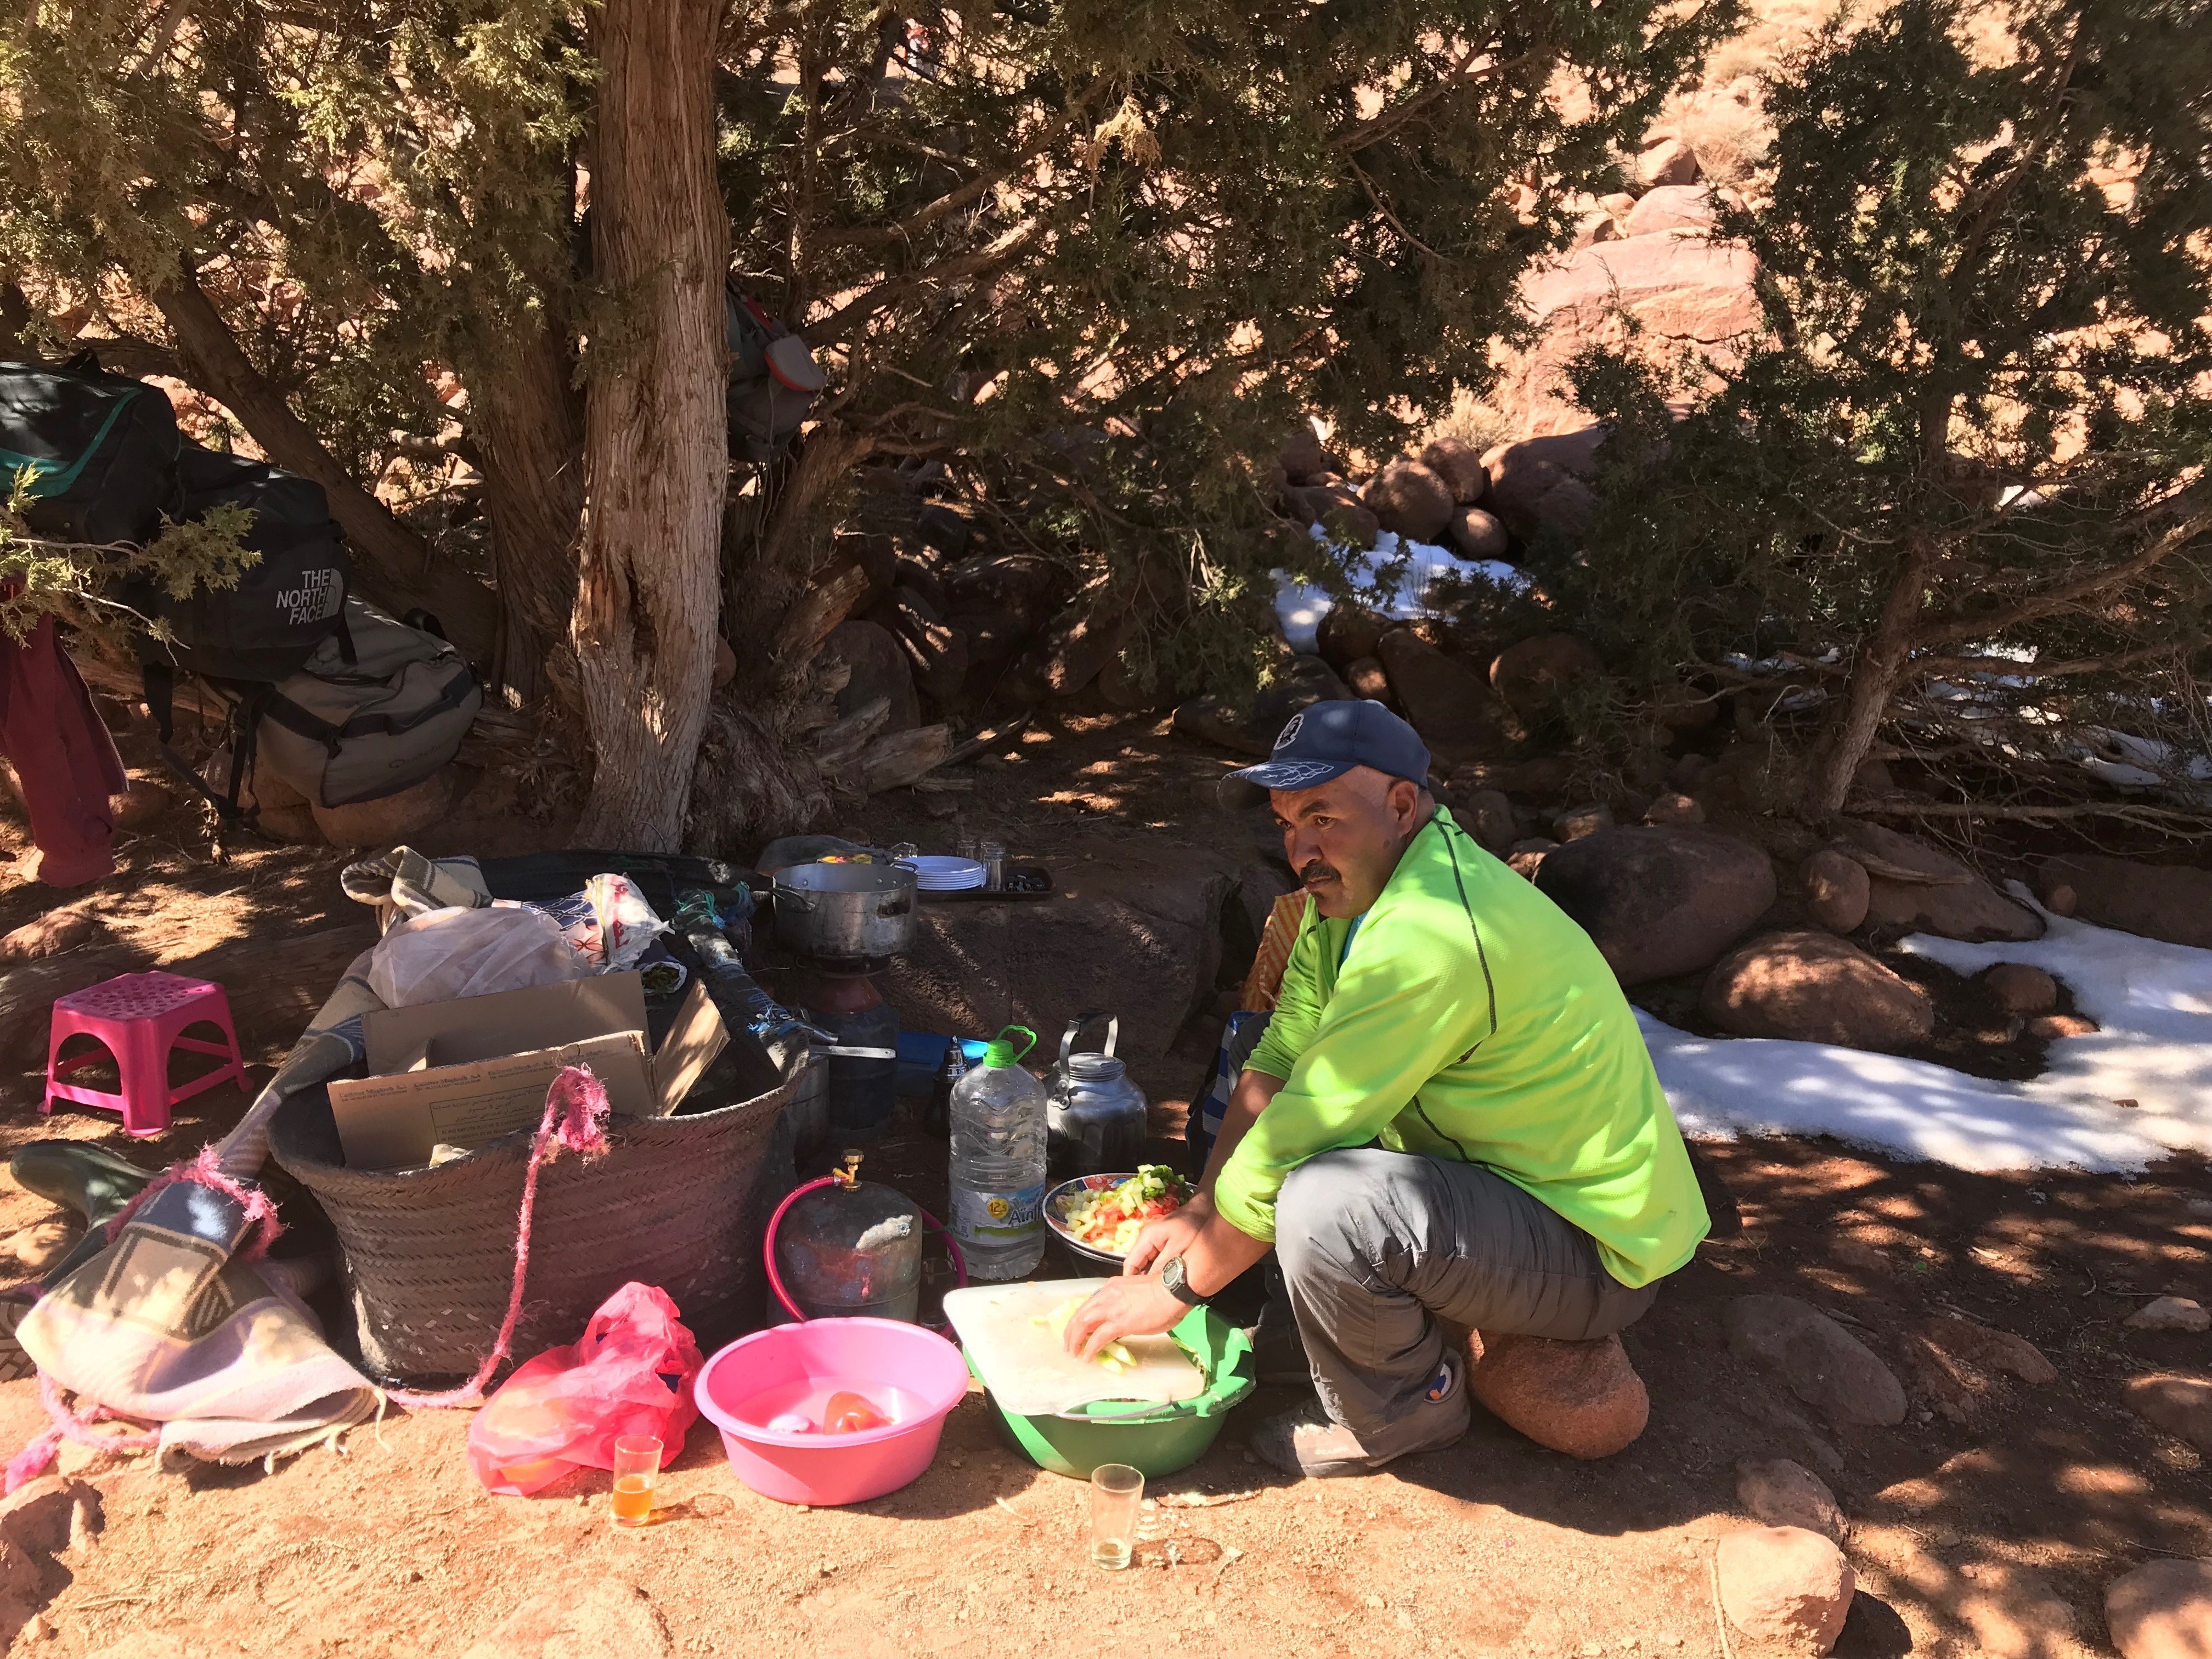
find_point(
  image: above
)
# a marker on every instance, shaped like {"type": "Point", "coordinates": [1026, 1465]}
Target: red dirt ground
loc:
{"type": "Point", "coordinates": [1495, 1546]}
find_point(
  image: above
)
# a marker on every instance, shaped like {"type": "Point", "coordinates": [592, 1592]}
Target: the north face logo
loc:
{"type": "Point", "coordinates": [1289, 731]}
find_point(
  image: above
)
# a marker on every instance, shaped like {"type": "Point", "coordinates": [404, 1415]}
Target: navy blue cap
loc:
{"type": "Point", "coordinates": [1324, 742]}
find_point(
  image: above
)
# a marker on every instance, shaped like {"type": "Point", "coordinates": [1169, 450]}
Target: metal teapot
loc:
{"type": "Point", "coordinates": [1094, 1115]}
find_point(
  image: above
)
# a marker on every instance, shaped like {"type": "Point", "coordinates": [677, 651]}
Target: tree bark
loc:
{"type": "Point", "coordinates": [1874, 680]}
{"type": "Point", "coordinates": [528, 424]}
{"type": "Point", "coordinates": [396, 566]}
{"type": "Point", "coordinates": [656, 456]}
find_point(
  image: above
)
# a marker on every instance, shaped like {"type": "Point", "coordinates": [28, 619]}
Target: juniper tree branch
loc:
{"type": "Point", "coordinates": [2061, 596]}
{"type": "Point", "coordinates": [398, 560]}
{"type": "Point", "coordinates": [959, 267]}
{"type": "Point", "coordinates": [2039, 670]}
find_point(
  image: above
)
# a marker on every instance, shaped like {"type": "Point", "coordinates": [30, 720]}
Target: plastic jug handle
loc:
{"type": "Point", "coordinates": [1026, 1047]}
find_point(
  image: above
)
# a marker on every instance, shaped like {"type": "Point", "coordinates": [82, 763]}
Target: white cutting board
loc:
{"type": "Point", "coordinates": [1023, 1364]}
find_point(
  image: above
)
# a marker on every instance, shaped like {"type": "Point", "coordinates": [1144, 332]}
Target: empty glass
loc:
{"type": "Point", "coordinates": [992, 855]}
{"type": "Point", "coordinates": [637, 1472]}
{"type": "Point", "coordinates": [1117, 1493]}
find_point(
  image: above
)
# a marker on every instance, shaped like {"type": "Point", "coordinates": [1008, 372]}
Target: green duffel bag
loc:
{"type": "Point", "coordinates": [340, 732]}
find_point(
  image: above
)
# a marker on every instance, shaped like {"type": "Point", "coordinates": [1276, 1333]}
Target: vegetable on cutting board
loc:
{"type": "Point", "coordinates": [1114, 1357]}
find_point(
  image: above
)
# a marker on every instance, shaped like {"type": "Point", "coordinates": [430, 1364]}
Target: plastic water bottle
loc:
{"type": "Point", "coordinates": [997, 1115]}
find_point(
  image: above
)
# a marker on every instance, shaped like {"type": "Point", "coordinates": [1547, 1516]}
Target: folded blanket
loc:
{"type": "Point", "coordinates": [174, 1324]}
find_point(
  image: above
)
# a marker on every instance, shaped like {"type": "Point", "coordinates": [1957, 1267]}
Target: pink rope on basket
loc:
{"type": "Point", "coordinates": [575, 1116]}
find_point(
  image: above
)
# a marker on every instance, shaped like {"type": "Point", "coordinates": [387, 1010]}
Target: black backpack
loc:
{"type": "Point", "coordinates": [103, 449]}
{"type": "Point", "coordinates": [285, 605]}
{"type": "Point", "coordinates": [242, 640]}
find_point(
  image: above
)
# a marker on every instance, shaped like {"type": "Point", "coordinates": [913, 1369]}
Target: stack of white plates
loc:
{"type": "Point", "coordinates": [934, 873]}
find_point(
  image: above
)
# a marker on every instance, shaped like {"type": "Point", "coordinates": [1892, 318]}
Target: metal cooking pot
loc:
{"type": "Point", "coordinates": [845, 912]}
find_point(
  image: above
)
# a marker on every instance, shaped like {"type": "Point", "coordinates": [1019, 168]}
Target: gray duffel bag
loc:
{"type": "Point", "coordinates": [340, 732]}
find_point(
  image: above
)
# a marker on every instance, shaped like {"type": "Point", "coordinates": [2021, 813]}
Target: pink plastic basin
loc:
{"type": "Point", "coordinates": [914, 1375]}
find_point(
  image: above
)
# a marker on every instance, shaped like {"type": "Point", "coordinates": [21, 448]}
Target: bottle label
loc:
{"type": "Point", "coordinates": [997, 1217]}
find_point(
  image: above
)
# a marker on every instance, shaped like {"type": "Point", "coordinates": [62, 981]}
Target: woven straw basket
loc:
{"type": "Point", "coordinates": [678, 1202]}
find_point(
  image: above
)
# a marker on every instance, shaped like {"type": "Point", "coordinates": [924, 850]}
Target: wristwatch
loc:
{"type": "Point", "coordinates": [1176, 1283]}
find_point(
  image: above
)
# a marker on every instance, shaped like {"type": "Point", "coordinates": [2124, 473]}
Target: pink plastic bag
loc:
{"type": "Point", "coordinates": [629, 1373]}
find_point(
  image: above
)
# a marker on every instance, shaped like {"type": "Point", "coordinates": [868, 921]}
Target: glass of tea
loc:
{"type": "Point", "coordinates": [1117, 1493]}
{"type": "Point", "coordinates": [637, 1472]}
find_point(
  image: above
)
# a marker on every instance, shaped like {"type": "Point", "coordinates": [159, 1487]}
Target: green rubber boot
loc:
{"type": "Point", "coordinates": [79, 1176]}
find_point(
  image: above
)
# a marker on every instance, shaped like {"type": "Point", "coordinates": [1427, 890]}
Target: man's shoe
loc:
{"type": "Point", "coordinates": [1306, 1442]}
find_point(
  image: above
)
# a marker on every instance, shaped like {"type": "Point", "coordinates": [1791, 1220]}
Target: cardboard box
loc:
{"type": "Point", "coordinates": [466, 1072]}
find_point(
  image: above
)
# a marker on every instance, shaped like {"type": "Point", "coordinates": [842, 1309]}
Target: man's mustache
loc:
{"type": "Point", "coordinates": [1318, 871]}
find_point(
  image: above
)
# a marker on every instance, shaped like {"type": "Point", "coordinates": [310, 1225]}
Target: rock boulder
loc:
{"type": "Point", "coordinates": [1671, 207]}
{"type": "Point", "coordinates": [1411, 500]}
{"type": "Point", "coordinates": [1784, 1584]}
{"type": "Point", "coordinates": [1475, 532]}
{"type": "Point", "coordinates": [1823, 1363]}
{"type": "Point", "coordinates": [2180, 1405]}
{"type": "Point", "coordinates": [1538, 488]}
{"type": "Point", "coordinates": [2162, 1610]}
{"type": "Point", "coordinates": [50, 935]}
{"type": "Point", "coordinates": [1911, 884]}
{"type": "Point", "coordinates": [1535, 675]}
{"type": "Point", "coordinates": [1304, 457]}
{"type": "Point", "coordinates": [1459, 463]}
{"type": "Point", "coordinates": [1022, 586]}
{"type": "Point", "coordinates": [2170, 1313]}
{"type": "Point", "coordinates": [1487, 815]}
{"type": "Point", "coordinates": [1448, 702]}
{"type": "Point", "coordinates": [1251, 728]}
{"type": "Point", "coordinates": [1581, 1398]}
{"type": "Point", "coordinates": [391, 819]}
{"type": "Point", "coordinates": [1367, 679]}
{"type": "Point", "coordinates": [2021, 988]}
{"type": "Point", "coordinates": [1814, 987]}
{"type": "Point", "coordinates": [1349, 632]}
{"type": "Point", "coordinates": [1673, 807]}
{"type": "Point", "coordinates": [1786, 1494]}
{"type": "Point", "coordinates": [1834, 890]}
{"type": "Point", "coordinates": [2169, 901]}
{"type": "Point", "coordinates": [1660, 901]}
{"type": "Point", "coordinates": [880, 669]}
{"type": "Point", "coordinates": [1669, 161]}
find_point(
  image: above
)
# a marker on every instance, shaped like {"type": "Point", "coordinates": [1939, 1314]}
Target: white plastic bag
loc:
{"type": "Point", "coordinates": [457, 952]}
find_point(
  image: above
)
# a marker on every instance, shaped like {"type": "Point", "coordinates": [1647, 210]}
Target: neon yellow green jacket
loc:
{"type": "Point", "coordinates": [1472, 1019]}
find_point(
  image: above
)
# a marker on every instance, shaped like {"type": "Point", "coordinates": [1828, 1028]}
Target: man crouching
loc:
{"type": "Point", "coordinates": [1452, 1117]}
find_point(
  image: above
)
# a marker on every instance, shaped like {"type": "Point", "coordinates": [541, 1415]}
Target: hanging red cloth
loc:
{"type": "Point", "coordinates": [65, 761]}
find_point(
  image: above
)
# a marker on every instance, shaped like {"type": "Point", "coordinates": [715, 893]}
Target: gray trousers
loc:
{"type": "Point", "coordinates": [1376, 1247]}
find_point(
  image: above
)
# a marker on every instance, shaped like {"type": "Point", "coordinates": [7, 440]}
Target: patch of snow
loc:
{"type": "Point", "coordinates": [1299, 606]}
{"type": "Point", "coordinates": [2154, 1001]}
{"type": "Point", "coordinates": [2128, 762]}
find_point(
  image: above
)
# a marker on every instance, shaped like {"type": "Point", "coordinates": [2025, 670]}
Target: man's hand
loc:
{"type": "Point", "coordinates": [1163, 1241]}
{"type": "Point", "coordinates": [1122, 1307]}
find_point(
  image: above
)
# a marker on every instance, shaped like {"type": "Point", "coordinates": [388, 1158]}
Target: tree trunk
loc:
{"type": "Point", "coordinates": [1881, 664]}
{"type": "Point", "coordinates": [656, 455]}
{"type": "Point", "coordinates": [528, 425]}
{"type": "Point", "coordinates": [396, 566]}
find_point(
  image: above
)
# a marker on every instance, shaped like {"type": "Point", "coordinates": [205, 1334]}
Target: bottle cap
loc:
{"type": "Point", "coordinates": [1000, 1050]}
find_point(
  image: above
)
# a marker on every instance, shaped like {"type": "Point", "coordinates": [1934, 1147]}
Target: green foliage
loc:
{"type": "Point", "coordinates": [1977, 427]}
{"type": "Point", "coordinates": [79, 582]}
{"type": "Point", "coordinates": [1108, 256]}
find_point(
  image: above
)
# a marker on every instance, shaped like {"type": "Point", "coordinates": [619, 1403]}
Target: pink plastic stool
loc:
{"type": "Point", "coordinates": [141, 1017]}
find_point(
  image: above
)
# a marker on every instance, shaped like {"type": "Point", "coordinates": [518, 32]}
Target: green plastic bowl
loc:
{"type": "Point", "coordinates": [1156, 1439]}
